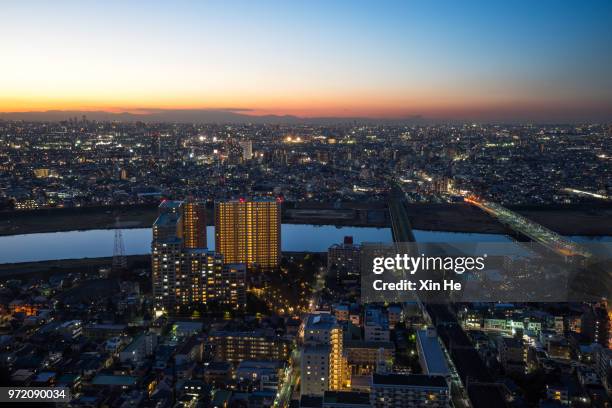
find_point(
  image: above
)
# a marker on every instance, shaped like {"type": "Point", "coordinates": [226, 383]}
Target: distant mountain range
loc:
{"type": "Point", "coordinates": [197, 116]}
{"type": "Point", "coordinates": [242, 116]}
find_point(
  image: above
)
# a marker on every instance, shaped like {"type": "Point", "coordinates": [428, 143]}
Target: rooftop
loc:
{"type": "Point", "coordinates": [321, 321]}
{"type": "Point", "coordinates": [344, 397]}
{"type": "Point", "coordinates": [415, 380]}
{"type": "Point", "coordinates": [433, 356]}
{"type": "Point", "coordinates": [120, 380]}
{"type": "Point", "coordinates": [311, 402]}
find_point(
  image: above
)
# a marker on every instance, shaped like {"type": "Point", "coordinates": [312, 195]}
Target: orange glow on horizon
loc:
{"type": "Point", "coordinates": [310, 60]}
{"type": "Point", "coordinates": [356, 104]}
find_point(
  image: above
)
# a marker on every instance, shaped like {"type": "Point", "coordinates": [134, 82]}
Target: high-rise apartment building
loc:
{"type": "Point", "coordinates": [343, 260]}
{"type": "Point", "coordinates": [230, 289]}
{"type": "Point", "coordinates": [248, 231]}
{"type": "Point", "coordinates": [323, 365]}
{"type": "Point", "coordinates": [184, 272]}
{"type": "Point", "coordinates": [194, 224]}
{"type": "Point", "coordinates": [314, 370]}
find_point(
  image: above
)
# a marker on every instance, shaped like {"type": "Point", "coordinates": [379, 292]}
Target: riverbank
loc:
{"type": "Point", "coordinates": [143, 216]}
{"type": "Point", "coordinates": [452, 218]}
{"type": "Point", "coordinates": [90, 265]}
{"type": "Point", "coordinates": [459, 217]}
{"type": "Point", "coordinates": [573, 221]}
{"type": "Point", "coordinates": [462, 217]}
{"type": "Point", "coordinates": [70, 219]}
{"type": "Point", "coordinates": [64, 266]}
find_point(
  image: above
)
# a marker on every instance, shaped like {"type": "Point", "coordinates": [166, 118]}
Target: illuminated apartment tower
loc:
{"type": "Point", "coordinates": [166, 256]}
{"type": "Point", "coordinates": [184, 273]}
{"type": "Point", "coordinates": [339, 374]}
{"type": "Point", "coordinates": [194, 224]}
{"type": "Point", "coordinates": [248, 232]}
{"type": "Point", "coordinates": [324, 366]}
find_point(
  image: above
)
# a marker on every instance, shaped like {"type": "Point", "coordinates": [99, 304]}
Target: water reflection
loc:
{"type": "Point", "coordinates": [312, 238]}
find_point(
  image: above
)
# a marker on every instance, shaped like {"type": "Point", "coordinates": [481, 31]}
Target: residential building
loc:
{"type": "Point", "coordinates": [249, 231]}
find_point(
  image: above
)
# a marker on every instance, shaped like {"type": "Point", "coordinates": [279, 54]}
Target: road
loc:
{"type": "Point", "coordinates": [290, 381]}
{"type": "Point", "coordinates": [292, 374]}
{"type": "Point", "coordinates": [319, 284]}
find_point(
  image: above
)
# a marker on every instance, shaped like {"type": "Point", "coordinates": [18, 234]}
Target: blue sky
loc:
{"type": "Point", "coordinates": [473, 59]}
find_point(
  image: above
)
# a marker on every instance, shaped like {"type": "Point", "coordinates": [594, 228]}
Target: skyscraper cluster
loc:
{"type": "Point", "coordinates": [186, 273]}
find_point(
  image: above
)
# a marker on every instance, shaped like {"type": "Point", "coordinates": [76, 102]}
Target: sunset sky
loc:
{"type": "Point", "coordinates": [486, 60]}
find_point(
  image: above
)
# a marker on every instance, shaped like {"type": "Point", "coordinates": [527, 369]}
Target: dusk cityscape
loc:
{"type": "Point", "coordinates": [201, 201]}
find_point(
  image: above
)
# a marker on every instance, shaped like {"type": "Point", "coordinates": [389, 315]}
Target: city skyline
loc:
{"type": "Point", "coordinates": [268, 204]}
{"type": "Point", "coordinates": [477, 61]}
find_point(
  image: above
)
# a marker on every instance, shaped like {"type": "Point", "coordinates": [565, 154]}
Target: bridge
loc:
{"type": "Point", "coordinates": [469, 365]}
{"type": "Point", "coordinates": [530, 229]}
{"type": "Point", "coordinates": [400, 224]}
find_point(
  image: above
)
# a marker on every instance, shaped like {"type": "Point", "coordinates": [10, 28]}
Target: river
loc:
{"type": "Point", "coordinates": [308, 238]}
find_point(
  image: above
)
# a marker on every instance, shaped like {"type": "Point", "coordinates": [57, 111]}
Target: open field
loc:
{"type": "Point", "coordinates": [68, 219]}
{"type": "Point", "coordinates": [573, 221]}
{"type": "Point", "coordinates": [453, 218]}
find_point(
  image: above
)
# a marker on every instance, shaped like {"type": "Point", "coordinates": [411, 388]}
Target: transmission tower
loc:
{"type": "Point", "coordinates": [119, 260]}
